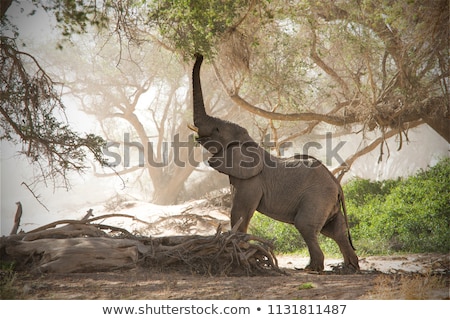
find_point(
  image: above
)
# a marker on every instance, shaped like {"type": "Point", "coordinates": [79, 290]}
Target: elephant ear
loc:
{"type": "Point", "coordinates": [241, 160]}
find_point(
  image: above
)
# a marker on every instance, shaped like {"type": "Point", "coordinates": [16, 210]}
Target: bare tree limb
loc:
{"type": "Point", "coordinates": [350, 160]}
{"type": "Point", "coordinates": [302, 116]}
{"type": "Point", "coordinates": [35, 196]}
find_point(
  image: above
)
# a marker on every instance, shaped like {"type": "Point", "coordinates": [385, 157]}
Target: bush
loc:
{"type": "Point", "coordinates": [285, 236]}
{"type": "Point", "coordinates": [402, 215]}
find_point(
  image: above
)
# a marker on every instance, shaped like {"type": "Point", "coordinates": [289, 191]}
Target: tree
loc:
{"type": "Point", "coordinates": [375, 66]}
{"type": "Point", "coordinates": [141, 100]}
{"type": "Point", "coordinates": [117, 97]}
{"type": "Point", "coordinates": [33, 115]}
{"type": "Point", "coordinates": [143, 113]}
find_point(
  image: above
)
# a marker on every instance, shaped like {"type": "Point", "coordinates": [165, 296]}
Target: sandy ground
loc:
{"type": "Point", "coordinates": [420, 276]}
{"type": "Point", "coordinates": [424, 276]}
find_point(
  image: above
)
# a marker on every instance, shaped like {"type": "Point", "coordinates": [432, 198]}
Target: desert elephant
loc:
{"type": "Point", "coordinates": [300, 190]}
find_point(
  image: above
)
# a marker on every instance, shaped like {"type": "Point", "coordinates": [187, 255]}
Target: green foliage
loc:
{"type": "Point", "coordinates": [363, 190]}
{"type": "Point", "coordinates": [285, 237]}
{"type": "Point", "coordinates": [196, 25]}
{"type": "Point", "coordinates": [403, 215]}
{"type": "Point", "coordinates": [305, 286]}
{"type": "Point", "coordinates": [74, 17]}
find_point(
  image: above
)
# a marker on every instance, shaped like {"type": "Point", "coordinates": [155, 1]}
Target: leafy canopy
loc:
{"type": "Point", "coordinates": [193, 26]}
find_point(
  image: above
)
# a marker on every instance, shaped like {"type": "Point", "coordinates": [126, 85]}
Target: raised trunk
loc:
{"type": "Point", "coordinates": [199, 106]}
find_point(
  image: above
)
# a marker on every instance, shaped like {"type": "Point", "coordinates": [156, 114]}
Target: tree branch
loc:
{"type": "Point", "coordinates": [303, 116]}
{"type": "Point", "coordinates": [17, 218]}
{"type": "Point", "coordinates": [330, 71]}
{"type": "Point", "coordinates": [35, 196]}
{"type": "Point", "coordinates": [350, 160]}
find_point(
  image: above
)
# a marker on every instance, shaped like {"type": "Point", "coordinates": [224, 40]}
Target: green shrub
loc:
{"type": "Point", "coordinates": [361, 191]}
{"type": "Point", "coordinates": [285, 236]}
{"type": "Point", "coordinates": [403, 215]}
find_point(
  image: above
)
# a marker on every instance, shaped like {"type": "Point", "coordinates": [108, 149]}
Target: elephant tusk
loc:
{"type": "Point", "coordinates": [192, 127]}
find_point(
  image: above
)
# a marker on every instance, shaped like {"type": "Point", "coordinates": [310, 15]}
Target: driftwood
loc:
{"type": "Point", "coordinates": [224, 253]}
{"type": "Point", "coordinates": [74, 254]}
{"type": "Point", "coordinates": [84, 246]}
{"type": "Point", "coordinates": [17, 218]}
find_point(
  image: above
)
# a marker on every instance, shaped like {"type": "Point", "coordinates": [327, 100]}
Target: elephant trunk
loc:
{"type": "Point", "coordinates": [200, 116]}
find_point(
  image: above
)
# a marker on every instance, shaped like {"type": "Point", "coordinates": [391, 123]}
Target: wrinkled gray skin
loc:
{"type": "Point", "coordinates": [300, 191]}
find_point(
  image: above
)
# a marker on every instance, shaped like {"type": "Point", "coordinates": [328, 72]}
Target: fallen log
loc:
{"type": "Point", "coordinates": [74, 254]}
{"type": "Point", "coordinates": [71, 230]}
{"type": "Point", "coordinates": [83, 247]}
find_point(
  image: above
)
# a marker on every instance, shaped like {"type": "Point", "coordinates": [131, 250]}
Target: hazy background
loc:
{"type": "Point", "coordinates": [424, 148]}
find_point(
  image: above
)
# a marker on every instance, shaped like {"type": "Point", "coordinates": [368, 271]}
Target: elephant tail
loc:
{"type": "Point", "coordinates": [344, 209]}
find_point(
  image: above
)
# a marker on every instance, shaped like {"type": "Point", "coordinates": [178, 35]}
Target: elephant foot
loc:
{"type": "Point", "coordinates": [340, 268]}
{"type": "Point", "coordinates": [316, 267]}
{"type": "Point", "coordinates": [345, 269]}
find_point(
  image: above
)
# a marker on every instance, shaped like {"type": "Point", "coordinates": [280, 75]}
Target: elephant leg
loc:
{"type": "Point", "coordinates": [245, 203]}
{"type": "Point", "coordinates": [310, 235]}
{"type": "Point", "coordinates": [336, 229]}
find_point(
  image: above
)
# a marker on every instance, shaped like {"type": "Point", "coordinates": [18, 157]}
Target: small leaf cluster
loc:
{"type": "Point", "coordinates": [75, 17]}
{"type": "Point", "coordinates": [195, 26]}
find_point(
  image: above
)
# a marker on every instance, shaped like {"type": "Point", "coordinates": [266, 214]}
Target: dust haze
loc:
{"type": "Point", "coordinates": [145, 92]}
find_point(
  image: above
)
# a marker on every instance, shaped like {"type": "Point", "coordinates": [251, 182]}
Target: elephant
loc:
{"type": "Point", "coordinates": [298, 190]}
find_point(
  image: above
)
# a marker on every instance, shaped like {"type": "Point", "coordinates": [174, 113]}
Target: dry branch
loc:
{"type": "Point", "coordinates": [349, 161]}
{"type": "Point", "coordinates": [221, 254]}
{"type": "Point", "coordinates": [17, 218]}
{"type": "Point", "coordinates": [80, 246]}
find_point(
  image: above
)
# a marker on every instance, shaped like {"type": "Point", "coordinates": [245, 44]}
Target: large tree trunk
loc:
{"type": "Point", "coordinates": [77, 254]}
{"type": "Point", "coordinates": [167, 194]}
{"type": "Point", "coordinates": [4, 6]}
{"type": "Point", "coordinates": [439, 124]}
